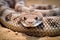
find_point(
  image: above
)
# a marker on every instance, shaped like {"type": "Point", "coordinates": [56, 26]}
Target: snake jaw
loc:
{"type": "Point", "coordinates": [34, 25]}
{"type": "Point", "coordinates": [39, 22]}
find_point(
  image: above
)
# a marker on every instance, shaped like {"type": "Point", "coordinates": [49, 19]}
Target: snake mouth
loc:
{"type": "Point", "coordinates": [31, 24]}
{"type": "Point", "coordinates": [37, 25]}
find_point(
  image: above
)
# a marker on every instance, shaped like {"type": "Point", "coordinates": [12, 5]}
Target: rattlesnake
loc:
{"type": "Point", "coordinates": [31, 23]}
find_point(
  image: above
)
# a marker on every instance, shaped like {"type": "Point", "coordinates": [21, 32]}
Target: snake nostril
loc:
{"type": "Point", "coordinates": [30, 22]}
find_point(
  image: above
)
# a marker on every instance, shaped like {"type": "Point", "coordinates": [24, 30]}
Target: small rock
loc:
{"type": "Point", "coordinates": [16, 33]}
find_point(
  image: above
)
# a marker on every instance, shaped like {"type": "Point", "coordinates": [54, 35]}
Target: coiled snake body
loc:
{"type": "Point", "coordinates": [31, 23]}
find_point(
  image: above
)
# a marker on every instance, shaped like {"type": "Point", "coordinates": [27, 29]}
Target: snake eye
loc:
{"type": "Point", "coordinates": [25, 18]}
{"type": "Point", "coordinates": [8, 17]}
{"type": "Point", "coordinates": [36, 18]}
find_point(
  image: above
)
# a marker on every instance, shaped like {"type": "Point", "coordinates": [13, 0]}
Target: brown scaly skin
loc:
{"type": "Point", "coordinates": [52, 26]}
{"type": "Point", "coordinates": [35, 27]}
{"type": "Point", "coordinates": [46, 28]}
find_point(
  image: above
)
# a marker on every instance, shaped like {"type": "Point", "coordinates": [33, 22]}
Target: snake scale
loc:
{"type": "Point", "coordinates": [47, 26]}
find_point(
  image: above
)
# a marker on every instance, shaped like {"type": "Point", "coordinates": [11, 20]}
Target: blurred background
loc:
{"type": "Point", "coordinates": [55, 2]}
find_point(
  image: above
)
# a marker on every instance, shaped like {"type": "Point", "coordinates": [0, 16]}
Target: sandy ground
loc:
{"type": "Point", "coordinates": [7, 34]}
